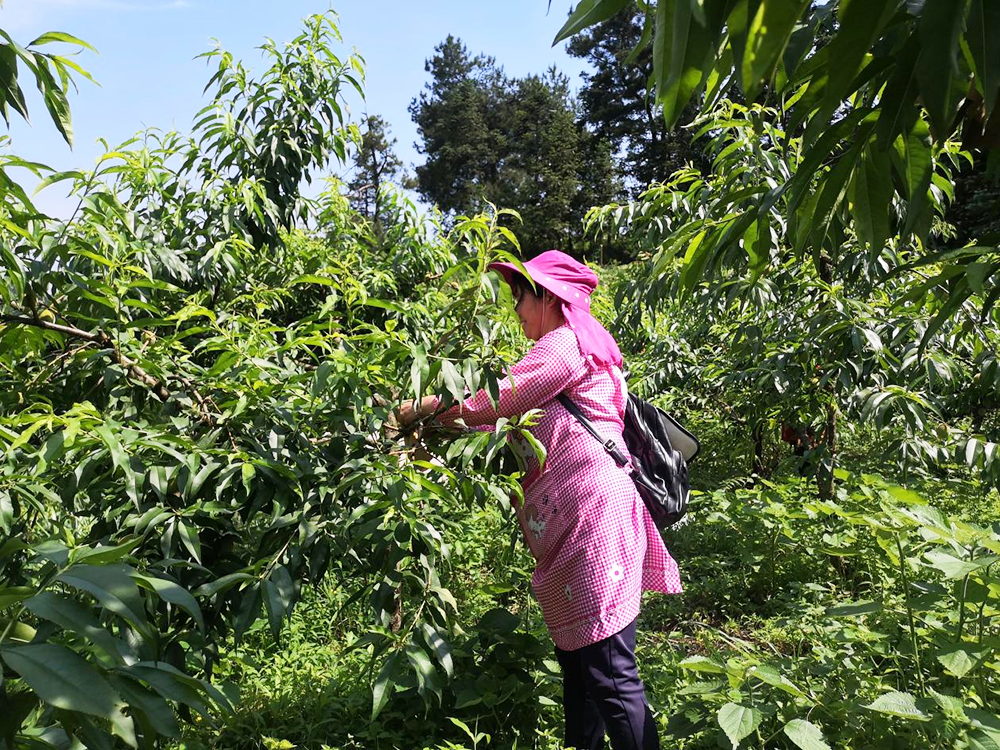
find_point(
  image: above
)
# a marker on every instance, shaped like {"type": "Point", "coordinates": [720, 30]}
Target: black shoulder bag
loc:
{"type": "Point", "coordinates": [660, 449]}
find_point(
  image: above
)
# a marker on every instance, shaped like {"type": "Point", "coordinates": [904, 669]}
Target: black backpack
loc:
{"type": "Point", "coordinates": [660, 449]}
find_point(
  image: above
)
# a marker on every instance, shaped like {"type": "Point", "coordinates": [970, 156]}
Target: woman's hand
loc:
{"type": "Point", "coordinates": [410, 411]}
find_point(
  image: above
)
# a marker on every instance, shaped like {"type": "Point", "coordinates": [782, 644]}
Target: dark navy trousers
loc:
{"type": "Point", "coordinates": [602, 693]}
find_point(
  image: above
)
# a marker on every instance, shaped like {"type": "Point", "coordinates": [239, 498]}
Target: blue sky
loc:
{"type": "Point", "coordinates": [148, 75]}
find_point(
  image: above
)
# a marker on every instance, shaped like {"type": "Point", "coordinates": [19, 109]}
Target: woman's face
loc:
{"type": "Point", "coordinates": [534, 312]}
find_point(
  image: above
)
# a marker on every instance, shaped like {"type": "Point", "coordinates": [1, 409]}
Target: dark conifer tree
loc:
{"type": "Point", "coordinates": [618, 107]}
{"type": "Point", "coordinates": [516, 143]}
{"type": "Point", "coordinates": [375, 164]}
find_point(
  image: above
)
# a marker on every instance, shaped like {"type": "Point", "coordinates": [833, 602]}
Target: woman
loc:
{"type": "Point", "coordinates": [595, 545]}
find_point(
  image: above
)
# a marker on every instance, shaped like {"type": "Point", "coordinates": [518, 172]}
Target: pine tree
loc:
{"type": "Point", "coordinates": [516, 143]}
{"type": "Point", "coordinates": [618, 107]}
{"type": "Point", "coordinates": [375, 164]}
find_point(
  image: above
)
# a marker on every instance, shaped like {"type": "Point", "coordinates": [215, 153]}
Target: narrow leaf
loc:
{"type": "Point", "coordinates": [588, 13]}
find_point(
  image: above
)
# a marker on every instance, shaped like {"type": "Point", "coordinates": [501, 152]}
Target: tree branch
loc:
{"type": "Point", "coordinates": [155, 385]}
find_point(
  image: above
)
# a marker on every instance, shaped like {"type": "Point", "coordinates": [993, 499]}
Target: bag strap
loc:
{"type": "Point", "coordinates": [609, 445]}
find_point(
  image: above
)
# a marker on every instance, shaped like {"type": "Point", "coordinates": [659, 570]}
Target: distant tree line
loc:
{"type": "Point", "coordinates": [529, 144]}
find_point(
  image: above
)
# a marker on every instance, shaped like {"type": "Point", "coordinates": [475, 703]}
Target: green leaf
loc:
{"type": "Point", "coordinates": [440, 646]}
{"type": "Point", "coordinates": [851, 609]}
{"type": "Point", "coordinates": [757, 242]}
{"type": "Point", "coordinates": [702, 664]}
{"type": "Point", "coordinates": [805, 735]}
{"type": "Point", "coordinates": [537, 447]}
{"type": "Point", "coordinates": [247, 474]}
{"type": "Point", "coordinates": [898, 704]}
{"type": "Point", "coordinates": [913, 154]}
{"type": "Point", "coordinates": [154, 709]}
{"type": "Point", "coordinates": [55, 101]}
{"type": "Point", "coordinates": [62, 679]}
{"type": "Point", "coordinates": [385, 683]}
{"type": "Point", "coordinates": [118, 454]}
{"type": "Point", "coordinates": [696, 257]}
{"type": "Point", "coordinates": [981, 35]}
{"type": "Point", "coordinates": [871, 194]}
{"type": "Point", "coordinates": [812, 222]}
{"type": "Point", "coordinates": [13, 594]}
{"type": "Point", "coordinates": [686, 57]}
{"type": "Point", "coordinates": [960, 658]}
{"type": "Point", "coordinates": [954, 567]}
{"type": "Point", "coordinates": [222, 584]}
{"type": "Point", "coordinates": [171, 684]}
{"type": "Point", "coordinates": [738, 722]}
{"type": "Point", "coordinates": [309, 278]}
{"type": "Point", "coordinates": [453, 380]}
{"type": "Point", "coordinates": [112, 586]}
{"type": "Point", "coordinates": [898, 110]}
{"type": "Point", "coordinates": [427, 681]}
{"type": "Point", "coordinates": [169, 591]}
{"type": "Point", "coordinates": [977, 273]}
{"type": "Point", "coordinates": [940, 26]}
{"type": "Point", "coordinates": [26, 435]}
{"type": "Point", "coordinates": [499, 621]}
{"type": "Point", "coordinates": [588, 13]}
{"type": "Point", "coordinates": [56, 177]}
{"type": "Point", "coordinates": [190, 539]}
{"type": "Point", "coordinates": [854, 127]}
{"type": "Point", "coordinates": [6, 512]}
{"type": "Point", "coordinates": [383, 304]}
{"type": "Point", "coordinates": [77, 618]}
{"type": "Point", "coordinates": [279, 593]}
{"type": "Point", "coordinates": [860, 25]}
{"type": "Point", "coordinates": [949, 703]}
{"type": "Point", "coordinates": [419, 370]}
{"type": "Point", "coordinates": [14, 709]}
{"type": "Point", "coordinates": [59, 36]}
{"type": "Point", "coordinates": [980, 739]}
{"type": "Point", "coordinates": [771, 677]}
{"type": "Point", "coordinates": [767, 36]}
{"type": "Point", "coordinates": [101, 555]}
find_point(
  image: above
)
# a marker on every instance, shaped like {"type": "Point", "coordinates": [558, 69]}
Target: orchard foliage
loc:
{"type": "Point", "coordinates": [868, 92]}
{"type": "Point", "coordinates": [198, 372]}
{"type": "Point", "coordinates": [864, 332]}
{"type": "Point", "coordinates": [194, 419]}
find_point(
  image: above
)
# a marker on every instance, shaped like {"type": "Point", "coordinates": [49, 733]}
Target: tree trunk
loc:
{"type": "Point", "coordinates": [758, 449]}
{"type": "Point", "coordinates": [826, 482]}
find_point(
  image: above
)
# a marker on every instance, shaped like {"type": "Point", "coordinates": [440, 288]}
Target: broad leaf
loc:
{"type": "Point", "coordinates": [940, 26]}
{"type": "Point", "coordinates": [702, 664]}
{"type": "Point", "coordinates": [767, 36]}
{"type": "Point", "coordinates": [78, 618]}
{"type": "Point", "coordinates": [171, 592]}
{"type": "Point", "coordinates": [805, 735]}
{"type": "Point", "coordinates": [738, 722]}
{"type": "Point", "coordinates": [112, 586]}
{"type": "Point", "coordinates": [981, 35]}
{"type": "Point", "coordinates": [385, 683]}
{"type": "Point", "coordinates": [62, 679]}
{"type": "Point", "coordinates": [898, 704]}
{"type": "Point", "coordinates": [960, 658]}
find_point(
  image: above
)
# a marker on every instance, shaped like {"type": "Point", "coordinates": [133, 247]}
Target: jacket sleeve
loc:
{"type": "Point", "coordinates": [552, 366]}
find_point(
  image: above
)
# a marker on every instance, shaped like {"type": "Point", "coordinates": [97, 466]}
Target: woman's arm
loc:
{"type": "Point", "coordinates": [552, 366]}
{"type": "Point", "coordinates": [410, 411]}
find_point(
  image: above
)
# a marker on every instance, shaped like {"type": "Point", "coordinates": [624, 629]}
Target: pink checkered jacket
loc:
{"type": "Point", "coordinates": [595, 545]}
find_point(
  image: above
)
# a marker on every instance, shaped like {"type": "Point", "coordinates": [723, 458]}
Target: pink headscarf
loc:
{"type": "Point", "coordinates": [572, 282]}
